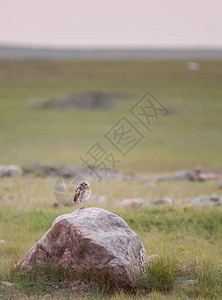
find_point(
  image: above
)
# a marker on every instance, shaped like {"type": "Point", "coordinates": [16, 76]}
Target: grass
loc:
{"type": "Point", "coordinates": [187, 239]}
{"type": "Point", "coordinates": [50, 278]}
{"type": "Point", "coordinates": [160, 276]}
{"type": "Point", "coordinates": [181, 140]}
{"type": "Point", "coordinates": [207, 224]}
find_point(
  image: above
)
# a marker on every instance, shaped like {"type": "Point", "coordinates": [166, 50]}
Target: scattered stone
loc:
{"type": "Point", "coordinates": [10, 171]}
{"type": "Point", "coordinates": [7, 283]}
{"type": "Point", "coordinates": [208, 201]}
{"type": "Point", "coordinates": [63, 173]}
{"type": "Point", "coordinates": [168, 178]}
{"type": "Point", "coordinates": [90, 239]}
{"type": "Point", "coordinates": [203, 176]}
{"type": "Point", "coordinates": [163, 201]}
{"type": "Point", "coordinates": [185, 175]}
{"type": "Point", "coordinates": [2, 242]}
{"type": "Point", "coordinates": [209, 176]}
{"type": "Point", "coordinates": [214, 199]}
{"type": "Point", "coordinates": [132, 203]}
{"type": "Point", "coordinates": [193, 66]}
{"type": "Point", "coordinates": [197, 175]}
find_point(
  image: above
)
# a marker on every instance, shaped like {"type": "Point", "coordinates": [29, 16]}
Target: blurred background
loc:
{"type": "Point", "coordinates": [70, 70]}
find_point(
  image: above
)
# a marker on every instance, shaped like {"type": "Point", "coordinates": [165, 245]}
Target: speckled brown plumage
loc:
{"type": "Point", "coordinates": [82, 192]}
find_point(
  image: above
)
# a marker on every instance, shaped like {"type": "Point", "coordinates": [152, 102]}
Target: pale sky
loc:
{"type": "Point", "coordinates": [115, 23]}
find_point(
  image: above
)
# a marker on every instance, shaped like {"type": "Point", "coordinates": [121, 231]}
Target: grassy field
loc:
{"type": "Point", "coordinates": [190, 135]}
{"type": "Point", "coordinates": [187, 239]}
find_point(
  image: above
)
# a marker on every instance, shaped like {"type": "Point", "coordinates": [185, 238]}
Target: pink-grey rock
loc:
{"type": "Point", "coordinates": [90, 239]}
{"type": "Point", "coordinates": [209, 176]}
{"type": "Point", "coordinates": [132, 203]}
{"type": "Point", "coordinates": [10, 171]}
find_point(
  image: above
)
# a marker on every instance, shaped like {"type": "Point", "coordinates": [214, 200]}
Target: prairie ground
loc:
{"type": "Point", "coordinates": [189, 135]}
{"type": "Point", "coordinates": [187, 239]}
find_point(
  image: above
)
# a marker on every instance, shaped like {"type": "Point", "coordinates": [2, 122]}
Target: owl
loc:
{"type": "Point", "coordinates": [82, 192]}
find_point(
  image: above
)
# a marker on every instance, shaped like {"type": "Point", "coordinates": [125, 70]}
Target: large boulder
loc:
{"type": "Point", "coordinates": [90, 239]}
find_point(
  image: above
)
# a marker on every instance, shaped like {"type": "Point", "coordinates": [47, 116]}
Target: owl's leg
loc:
{"type": "Point", "coordinates": [81, 203]}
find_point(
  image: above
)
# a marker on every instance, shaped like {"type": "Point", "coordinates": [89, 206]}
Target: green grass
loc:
{"type": "Point", "coordinates": [50, 278]}
{"type": "Point", "coordinates": [192, 270]}
{"type": "Point", "coordinates": [203, 222]}
{"type": "Point", "coordinates": [160, 276]}
{"type": "Point", "coordinates": [187, 239]}
{"type": "Point", "coordinates": [190, 135]}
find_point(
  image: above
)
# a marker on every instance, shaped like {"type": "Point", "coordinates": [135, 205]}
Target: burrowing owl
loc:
{"type": "Point", "coordinates": [82, 192]}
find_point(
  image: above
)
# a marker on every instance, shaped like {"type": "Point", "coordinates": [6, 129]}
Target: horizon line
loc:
{"type": "Point", "coordinates": [108, 47]}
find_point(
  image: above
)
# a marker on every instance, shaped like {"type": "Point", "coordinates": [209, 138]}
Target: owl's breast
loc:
{"type": "Point", "coordinates": [86, 193]}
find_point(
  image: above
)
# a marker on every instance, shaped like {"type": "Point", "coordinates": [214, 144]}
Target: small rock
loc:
{"type": "Point", "coordinates": [215, 199]}
{"type": "Point", "coordinates": [208, 201]}
{"type": "Point", "coordinates": [10, 171]}
{"type": "Point", "coordinates": [7, 283]}
{"type": "Point", "coordinates": [91, 239]}
{"type": "Point", "coordinates": [202, 177]}
{"type": "Point", "coordinates": [193, 66]}
{"type": "Point", "coordinates": [2, 242]}
{"type": "Point", "coordinates": [209, 176]}
{"type": "Point", "coordinates": [163, 201]}
{"type": "Point", "coordinates": [75, 174]}
{"type": "Point", "coordinates": [185, 175]}
{"type": "Point", "coordinates": [132, 203]}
